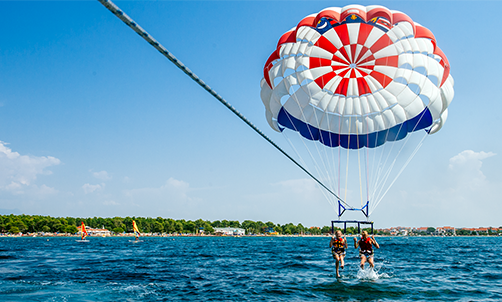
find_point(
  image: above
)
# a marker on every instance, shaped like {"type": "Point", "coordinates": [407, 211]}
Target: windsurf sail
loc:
{"type": "Point", "coordinates": [83, 231]}
{"type": "Point", "coordinates": [135, 229]}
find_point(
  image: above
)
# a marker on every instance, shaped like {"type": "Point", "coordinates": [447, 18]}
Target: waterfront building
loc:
{"type": "Point", "coordinates": [230, 231]}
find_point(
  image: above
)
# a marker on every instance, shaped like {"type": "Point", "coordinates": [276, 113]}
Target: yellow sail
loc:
{"type": "Point", "coordinates": [135, 229]}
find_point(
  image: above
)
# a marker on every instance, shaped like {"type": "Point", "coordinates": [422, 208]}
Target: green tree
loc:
{"type": "Point", "coordinates": [278, 229]}
{"type": "Point", "coordinates": [157, 227]}
{"type": "Point", "coordinates": [57, 226]}
{"type": "Point", "coordinates": [14, 229]}
{"type": "Point", "coordinates": [189, 226]}
{"type": "Point", "coordinates": [71, 221]}
{"type": "Point", "coordinates": [249, 226]}
{"type": "Point", "coordinates": [289, 229]}
{"type": "Point", "coordinates": [234, 224]}
{"type": "Point", "coordinates": [118, 230]}
{"type": "Point", "coordinates": [18, 224]}
{"type": "Point", "coordinates": [326, 230]}
{"type": "Point", "coordinates": [178, 226]}
{"type": "Point", "coordinates": [463, 232]}
{"type": "Point", "coordinates": [300, 229]}
{"type": "Point", "coordinates": [259, 227]}
{"type": "Point", "coordinates": [128, 223]}
{"type": "Point", "coordinates": [209, 229]}
{"type": "Point", "coordinates": [71, 229]}
{"type": "Point", "coordinates": [169, 226]}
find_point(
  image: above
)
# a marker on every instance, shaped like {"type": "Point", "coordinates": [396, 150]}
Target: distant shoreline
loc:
{"type": "Point", "coordinates": [49, 235]}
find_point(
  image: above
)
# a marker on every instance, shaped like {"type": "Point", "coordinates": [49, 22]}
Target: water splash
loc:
{"type": "Point", "coordinates": [370, 274]}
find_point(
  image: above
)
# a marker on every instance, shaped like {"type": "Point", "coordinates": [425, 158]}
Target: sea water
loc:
{"type": "Point", "coordinates": [248, 269]}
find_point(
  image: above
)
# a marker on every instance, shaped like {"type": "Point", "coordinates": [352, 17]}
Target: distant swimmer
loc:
{"type": "Point", "coordinates": [366, 248]}
{"type": "Point", "coordinates": [338, 244]}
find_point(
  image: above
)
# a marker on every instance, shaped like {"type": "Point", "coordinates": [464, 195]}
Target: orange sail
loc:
{"type": "Point", "coordinates": [135, 229]}
{"type": "Point", "coordinates": [83, 231]}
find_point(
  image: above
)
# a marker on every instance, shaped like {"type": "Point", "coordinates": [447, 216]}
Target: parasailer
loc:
{"type": "Point", "coordinates": [357, 78]}
{"type": "Point", "coordinates": [365, 245]}
{"type": "Point", "coordinates": [338, 245]}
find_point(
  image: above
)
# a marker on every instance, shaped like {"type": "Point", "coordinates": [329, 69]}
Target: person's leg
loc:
{"type": "Point", "coordinates": [370, 261]}
{"type": "Point", "coordinates": [337, 258]}
{"type": "Point", "coordinates": [363, 260]}
{"type": "Point", "coordinates": [342, 261]}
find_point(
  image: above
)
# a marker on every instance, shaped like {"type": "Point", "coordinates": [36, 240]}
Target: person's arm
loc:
{"type": "Point", "coordinates": [331, 243]}
{"type": "Point", "coordinates": [374, 242]}
{"type": "Point", "coordinates": [344, 242]}
{"type": "Point", "coordinates": [356, 244]}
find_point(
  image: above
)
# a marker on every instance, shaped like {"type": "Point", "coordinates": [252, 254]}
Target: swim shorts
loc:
{"type": "Point", "coordinates": [367, 254]}
{"type": "Point", "coordinates": [338, 251]}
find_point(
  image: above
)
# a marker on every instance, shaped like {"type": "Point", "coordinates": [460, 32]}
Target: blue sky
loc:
{"type": "Point", "coordinates": [95, 122]}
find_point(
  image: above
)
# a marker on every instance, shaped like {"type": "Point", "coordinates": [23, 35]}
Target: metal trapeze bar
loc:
{"type": "Point", "coordinates": [342, 209]}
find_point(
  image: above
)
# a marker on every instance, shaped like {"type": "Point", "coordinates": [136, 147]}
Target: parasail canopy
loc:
{"type": "Point", "coordinates": [357, 77]}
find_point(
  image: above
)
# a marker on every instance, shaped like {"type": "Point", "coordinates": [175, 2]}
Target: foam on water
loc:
{"type": "Point", "coordinates": [371, 274]}
{"type": "Point", "coordinates": [367, 274]}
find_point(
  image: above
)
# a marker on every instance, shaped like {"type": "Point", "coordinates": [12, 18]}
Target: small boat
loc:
{"type": "Point", "coordinates": [83, 233]}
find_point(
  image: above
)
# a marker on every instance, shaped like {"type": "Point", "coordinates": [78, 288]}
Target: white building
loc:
{"type": "Point", "coordinates": [95, 232]}
{"type": "Point", "coordinates": [230, 231]}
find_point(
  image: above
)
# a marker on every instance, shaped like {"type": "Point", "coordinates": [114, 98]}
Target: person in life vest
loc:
{"type": "Point", "coordinates": [338, 244]}
{"type": "Point", "coordinates": [366, 244]}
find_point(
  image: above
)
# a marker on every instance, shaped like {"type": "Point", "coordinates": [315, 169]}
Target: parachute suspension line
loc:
{"type": "Point", "coordinates": [377, 153]}
{"type": "Point", "coordinates": [140, 31]}
{"type": "Point", "coordinates": [317, 166]}
{"type": "Point", "coordinates": [339, 155]}
{"type": "Point", "coordinates": [288, 139]}
{"type": "Point", "coordinates": [324, 193]}
{"type": "Point", "coordinates": [336, 177]}
{"type": "Point", "coordinates": [318, 147]}
{"type": "Point", "coordinates": [382, 178]}
{"type": "Point", "coordinates": [312, 157]}
{"type": "Point", "coordinates": [381, 196]}
{"type": "Point", "coordinates": [387, 173]}
{"type": "Point", "coordinates": [359, 163]}
{"type": "Point", "coordinates": [367, 164]}
{"type": "Point", "coordinates": [401, 171]}
{"type": "Point", "coordinates": [347, 162]}
{"type": "Point", "coordinates": [376, 168]}
{"type": "Point", "coordinates": [315, 163]}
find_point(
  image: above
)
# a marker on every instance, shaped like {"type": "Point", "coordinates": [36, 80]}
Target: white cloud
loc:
{"type": "Point", "coordinates": [457, 193]}
{"type": "Point", "coordinates": [18, 172]}
{"type": "Point", "coordinates": [466, 168]}
{"type": "Point", "coordinates": [88, 188]}
{"type": "Point", "coordinates": [298, 186]}
{"type": "Point", "coordinates": [102, 175]}
{"type": "Point", "coordinates": [44, 190]}
{"type": "Point", "coordinates": [111, 203]}
{"type": "Point", "coordinates": [172, 189]}
{"type": "Point", "coordinates": [173, 198]}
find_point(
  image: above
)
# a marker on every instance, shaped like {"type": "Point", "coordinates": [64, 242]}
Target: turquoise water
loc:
{"type": "Point", "coordinates": [247, 269]}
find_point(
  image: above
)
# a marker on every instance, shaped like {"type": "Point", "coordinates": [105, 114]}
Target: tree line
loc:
{"type": "Point", "coordinates": [35, 223]}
